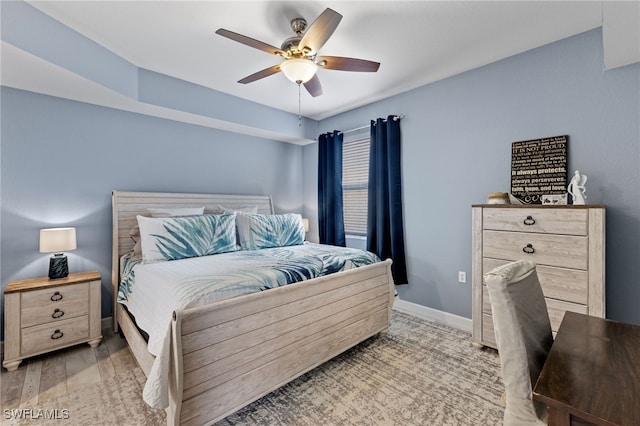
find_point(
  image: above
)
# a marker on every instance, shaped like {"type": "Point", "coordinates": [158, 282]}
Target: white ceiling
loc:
{"type": "Point", "coordinates": [416, 42]}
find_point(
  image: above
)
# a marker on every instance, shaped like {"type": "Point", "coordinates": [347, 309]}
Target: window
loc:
{"type": "Point", "coordinates": [355, 178]}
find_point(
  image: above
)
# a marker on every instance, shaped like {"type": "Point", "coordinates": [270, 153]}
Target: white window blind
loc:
{"type": "Point", "coordinates": [355, 178]}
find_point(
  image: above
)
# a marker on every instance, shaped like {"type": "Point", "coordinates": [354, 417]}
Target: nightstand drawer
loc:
{"type": "Point", "coordinates": [54, 296]}
{"type": "Point", "coordinates": [55, 312]}
{"type": "Point", "coordinates": [50, 336]}
{"type": "Point", "coordinates": [570, 222]}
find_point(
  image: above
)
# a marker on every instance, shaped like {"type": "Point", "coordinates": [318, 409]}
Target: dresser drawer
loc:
{"type": "Point", "coordinates": [571, 285]}
{"type": "Point", "coordinates": [545, 221]}
{"type": "Point", "coordinates": [53, 296]}
{"type": "Point", "coordinates": [555, 308]}
{"type": "Point", "coordinates": [488, 333]}
{"type": "Point", "coordinates": [486, 301]}
{"type": "Point", "coordinates": [53, 312]}
{"type": "Point", "coordinates": [554, 250]}
{"type": "Point", "coordinates": [46, 337]}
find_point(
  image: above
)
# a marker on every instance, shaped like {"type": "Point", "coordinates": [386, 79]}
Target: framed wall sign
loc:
{"type": "Point", "coordinates": [539, 167]}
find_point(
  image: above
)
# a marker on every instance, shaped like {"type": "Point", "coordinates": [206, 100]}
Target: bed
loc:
{"type": "Point", "coordinates": [226, 354]}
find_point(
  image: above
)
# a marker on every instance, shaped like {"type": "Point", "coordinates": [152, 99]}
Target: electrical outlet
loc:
{"type": "Point", "coordinates": [462, 277]}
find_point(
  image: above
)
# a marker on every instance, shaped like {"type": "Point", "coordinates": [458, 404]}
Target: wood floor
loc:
{"type": "Point", "coordinates": [42, 378]}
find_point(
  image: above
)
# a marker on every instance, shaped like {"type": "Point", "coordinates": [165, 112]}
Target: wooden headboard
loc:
{"type": "Point", "coordinates": [126, 205]}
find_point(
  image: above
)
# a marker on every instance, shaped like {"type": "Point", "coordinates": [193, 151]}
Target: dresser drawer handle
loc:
{"type": "Point", "coordinates": [57, 313]}
{"type": "Point", "coordinates": [56, 296]}
{"type": "Point", "coordinates": [57, 334]}
{"type": "Point", "coordinates": [529, 221]}
{"type": "Point", "coordinates": [528, 249]}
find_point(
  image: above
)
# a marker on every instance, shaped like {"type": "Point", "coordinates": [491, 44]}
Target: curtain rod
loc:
{"type": "Point", "coordinates": [395, 117]}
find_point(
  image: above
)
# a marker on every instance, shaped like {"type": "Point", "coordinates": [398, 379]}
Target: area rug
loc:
{"type": "Point", "coordinates": [114, 401]}
{"type": "Point", "coordinates": [418, 373]}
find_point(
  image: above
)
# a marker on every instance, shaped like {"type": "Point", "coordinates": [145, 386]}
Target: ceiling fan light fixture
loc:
{"type": "Point", "coordinates": [299, 70]}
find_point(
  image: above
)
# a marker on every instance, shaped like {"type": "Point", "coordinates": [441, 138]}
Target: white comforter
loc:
{"type": "Point", "coordinates": [153, 291]}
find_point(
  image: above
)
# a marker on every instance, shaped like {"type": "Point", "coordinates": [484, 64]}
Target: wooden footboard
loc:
{"type": "Point", "coordinates": [229, 354]}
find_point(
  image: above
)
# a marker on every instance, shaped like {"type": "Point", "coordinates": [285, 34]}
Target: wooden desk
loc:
{"type": "Point", "coordinates": [592, 373]}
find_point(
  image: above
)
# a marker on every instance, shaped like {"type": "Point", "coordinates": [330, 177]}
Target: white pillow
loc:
{"type": "Point", "coordinates": [224, 209]}
{"type": "Point", "coordinates": [171, 238]}
{"type": "Point", "coordinates": [134, 234]}
{"type": "Point", "coordinates": [175, 211]}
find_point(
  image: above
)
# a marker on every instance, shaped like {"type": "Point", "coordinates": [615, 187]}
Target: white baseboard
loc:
{"type": "Point", "coordinates": [451, 320]}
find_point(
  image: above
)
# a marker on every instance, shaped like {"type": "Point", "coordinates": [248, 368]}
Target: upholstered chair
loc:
{"type": "Point", "coordinates": [523, 336]}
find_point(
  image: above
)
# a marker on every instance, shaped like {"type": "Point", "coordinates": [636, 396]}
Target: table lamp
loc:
{"type": "Point", "coordinates": [305, 223]}
{"type": "Point", "coordinates": [57, 241]}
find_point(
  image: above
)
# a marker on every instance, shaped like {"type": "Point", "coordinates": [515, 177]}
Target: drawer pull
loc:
{"type": "Point", "coordinates": [529, 221]}
{"type": "Point", "coordinates": [57, 334]}
{"type": "Point", "coordinates": [528, 249]}
{"type": "Point", "coordinates": [57, 313]}
{"type": "Point", "coordinates": [56, 296]}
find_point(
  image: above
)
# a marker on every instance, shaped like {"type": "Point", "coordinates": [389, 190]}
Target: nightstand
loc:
{"type": "Point", "coordinates": [42, 315]}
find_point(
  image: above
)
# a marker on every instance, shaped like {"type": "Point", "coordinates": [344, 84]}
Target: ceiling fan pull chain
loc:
{"type": "Point", "coordinates": [299, 114]}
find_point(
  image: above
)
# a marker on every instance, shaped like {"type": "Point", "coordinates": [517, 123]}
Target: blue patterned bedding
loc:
{"type": "Point", "coordinates": [152, 291]}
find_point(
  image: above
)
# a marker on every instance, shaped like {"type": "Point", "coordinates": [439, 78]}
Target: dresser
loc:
{"type": "Point", "coordinates": [567, 243]}
{"type": "Point", "coordinates": [42, 315]}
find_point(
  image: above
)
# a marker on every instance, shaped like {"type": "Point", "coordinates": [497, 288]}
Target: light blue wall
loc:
{"type": "Point", "coordinates": [61, 159]}
{"type": "Point", "coordinates": [457, 136]}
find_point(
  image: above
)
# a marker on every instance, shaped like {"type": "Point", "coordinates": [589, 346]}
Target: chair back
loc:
{"type": "Point", "coordinates": [523, 336]}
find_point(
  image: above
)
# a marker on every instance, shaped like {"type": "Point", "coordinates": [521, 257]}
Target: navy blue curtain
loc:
{"type": "Point", "coordinates": [385, 230]}
{"type": "Point", "coordinates": [330, 214]}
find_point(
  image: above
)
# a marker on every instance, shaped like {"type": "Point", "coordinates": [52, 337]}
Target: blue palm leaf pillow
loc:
{"type": "Point", "coordinates": [171, 238]}
{"type": "Point", "coordinates": [258, 231]}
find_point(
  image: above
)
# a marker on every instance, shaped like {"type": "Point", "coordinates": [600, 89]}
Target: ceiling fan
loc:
{"type": "Point", "coordinates": [300, 53]}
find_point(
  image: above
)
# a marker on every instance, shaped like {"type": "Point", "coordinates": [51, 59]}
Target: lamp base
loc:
{"type": "Point", "coordinates": [58, 267]}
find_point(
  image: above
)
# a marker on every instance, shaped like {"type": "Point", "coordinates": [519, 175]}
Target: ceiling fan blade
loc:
{"type": "Point", "coordinates": [261, 74]}
{"type": "Point", "coordinates": [251, 42]}
{"type": "Point", "coordinates": [347, 64]}
{"type": "Point", "coordinates": [313, 86]}
{"type": "Point", "coordinates": [319, 32]}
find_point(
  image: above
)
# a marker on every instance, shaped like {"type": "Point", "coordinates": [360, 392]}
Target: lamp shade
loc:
{"type": "Point", "coordinates": [57, 240]}
{"type": "Point", "coordinates": [305, 223]}
{"type": "Point", "coordinates": [299, 70]}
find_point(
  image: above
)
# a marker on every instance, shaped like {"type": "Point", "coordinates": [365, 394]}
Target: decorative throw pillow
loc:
{"type": "Point", "coordinates": [172, 238]}
{"type": "Point", "coordinates": [258, 231]}
{"type": "Point", "coordinates": [134, 234]}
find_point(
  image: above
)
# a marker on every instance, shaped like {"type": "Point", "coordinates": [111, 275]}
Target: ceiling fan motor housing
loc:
{"type": "Point", "coordinates": [290, 45]}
